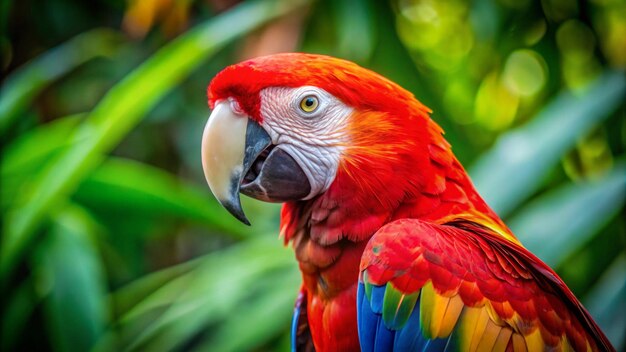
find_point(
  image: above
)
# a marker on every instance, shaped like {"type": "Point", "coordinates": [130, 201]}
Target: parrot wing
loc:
{"type": "Point", "coordinates": [300, 333]}
{"type": "Point", "coordinates": [460, 287]}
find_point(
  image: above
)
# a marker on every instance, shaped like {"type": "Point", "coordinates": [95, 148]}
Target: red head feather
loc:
{"type": "Point", "coordinates": [353, 84]}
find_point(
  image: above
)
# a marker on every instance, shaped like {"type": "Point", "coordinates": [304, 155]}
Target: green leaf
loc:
{"type": "Point", "coordinates": [556, 224]}
{"type": "Point", "coordinates": [254, 322]}
{"type": "Point", "coordinates": [120, 110]}
{"type": "Point", "coordinates": [132, 294]}
{"type": "Point", "coordinates": [517, 164]}
{"type": "Point", "coordinates": [25, 155]}
{"type": "Point", "coordinates": [69, 265]}
{"type": "Point", "coordinates": [22, 86]}
{"type": "Point", "coordinates": [607, 302]}
{"type": "Point", "coordinates": [19, 308]}
{"type": "Point", "coordinates": [126, 184]}
{"type": "Point", "coordinates": [207, 294]}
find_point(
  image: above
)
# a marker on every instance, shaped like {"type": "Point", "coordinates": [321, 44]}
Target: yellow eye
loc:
{"type": "Point", "coordinates": [309, 103]}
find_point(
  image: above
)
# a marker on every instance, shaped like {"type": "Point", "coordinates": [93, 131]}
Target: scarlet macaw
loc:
{"type": "Point", "coordinates": [397, 249]}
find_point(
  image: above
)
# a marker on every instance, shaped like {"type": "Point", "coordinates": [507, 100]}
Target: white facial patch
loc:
{"type": "Point", "coordinates": [315, 139]}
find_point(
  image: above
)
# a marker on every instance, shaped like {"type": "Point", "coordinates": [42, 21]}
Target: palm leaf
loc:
{"type": "Point", "coordinates": [119, 111]}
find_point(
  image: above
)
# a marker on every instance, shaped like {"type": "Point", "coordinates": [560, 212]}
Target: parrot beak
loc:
{"type": "Point", "coordinates": [238, 156]}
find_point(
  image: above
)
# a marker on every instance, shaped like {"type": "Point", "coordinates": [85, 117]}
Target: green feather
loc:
{"type": "Point", "coordinates": [368, 286]}
{"type": "Point", "coordinates": [397, 307]}
{"type": "Point", "coordinates": [426, 308]}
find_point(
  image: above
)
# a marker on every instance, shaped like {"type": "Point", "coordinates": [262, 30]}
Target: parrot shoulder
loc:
{"type": "Point", "coordinates": [461, 286]}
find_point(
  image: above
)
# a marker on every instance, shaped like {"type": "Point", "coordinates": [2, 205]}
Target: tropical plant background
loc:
{"type": "Point", "coordinates": [112, 241]}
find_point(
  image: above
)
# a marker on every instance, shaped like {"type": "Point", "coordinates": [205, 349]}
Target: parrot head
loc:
{"type": "Point", "coordinates": [289, 127]}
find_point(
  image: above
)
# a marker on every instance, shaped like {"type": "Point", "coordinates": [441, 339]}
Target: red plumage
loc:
{"type": "Point", "coordinates": [397, 165]}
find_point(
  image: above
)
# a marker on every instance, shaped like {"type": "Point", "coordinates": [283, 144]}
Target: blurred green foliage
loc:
{"type": "Point", "coordinates": [112, 241]}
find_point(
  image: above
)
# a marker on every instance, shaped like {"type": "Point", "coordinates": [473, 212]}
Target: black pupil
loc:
{"type": "Point", "coordinates": [309, 102]}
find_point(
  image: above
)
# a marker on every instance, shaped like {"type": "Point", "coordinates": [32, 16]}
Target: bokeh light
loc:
{"type": "Point", "coordinates": [525, 73]}
{"type": "Point", "coordinates": [496, 105]}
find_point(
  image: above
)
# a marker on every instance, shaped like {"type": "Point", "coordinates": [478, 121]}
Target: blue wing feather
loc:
{"type": "Point", "coordinates": [378, 295]}
{"type": "Point", "coordinates": [294, 325]}
{"type": "Point", "coordinates": [383, 336]}
{"type": "Point", "coordinates": [367, 321]}
{"type": "Point", "coordinates": [375, 336]}
{"type": "Point", "coordinates": [300, 332]}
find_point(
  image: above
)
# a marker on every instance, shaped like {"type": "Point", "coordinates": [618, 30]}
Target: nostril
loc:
{"type": "Point", "coordinates": [235, 107]}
